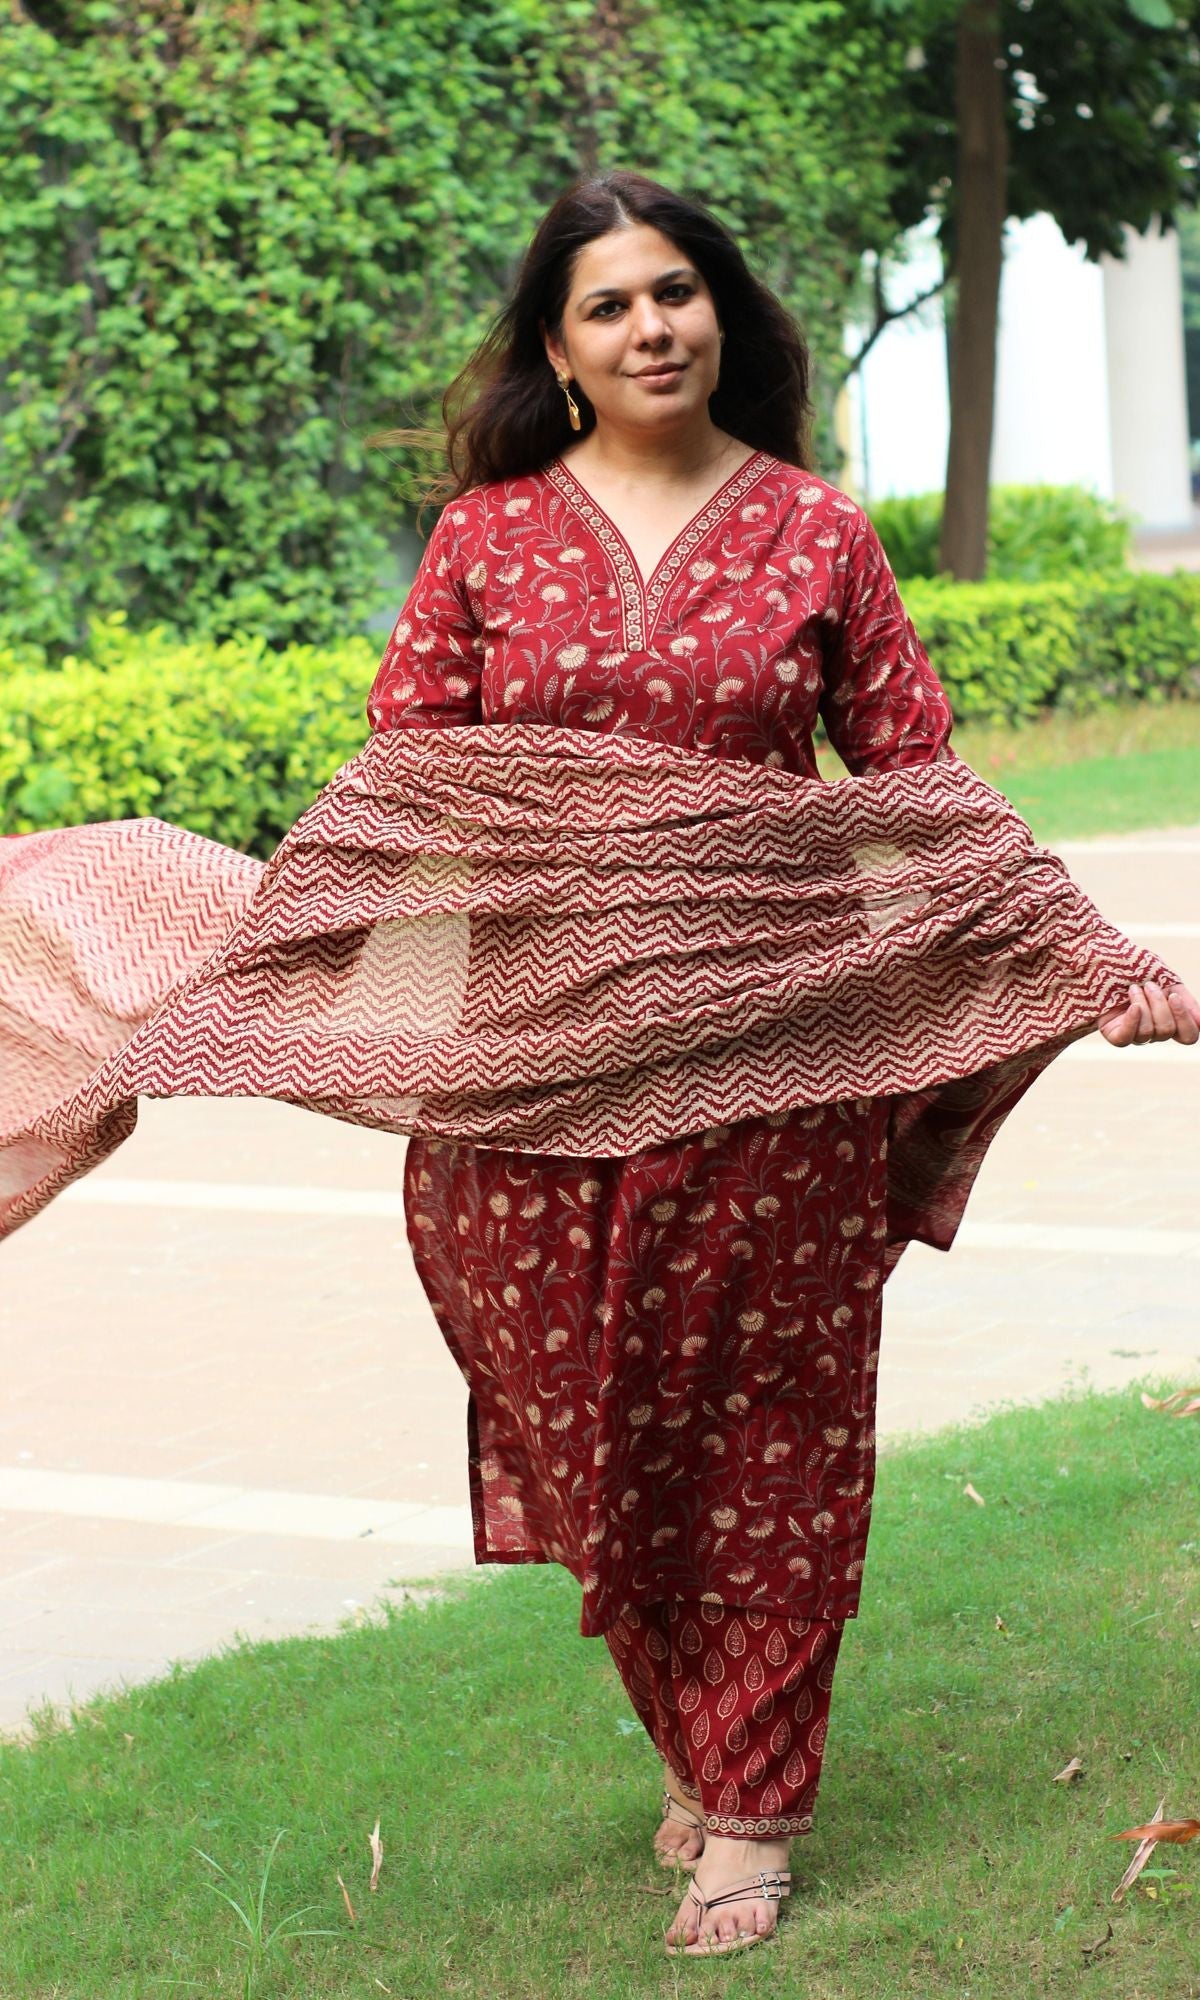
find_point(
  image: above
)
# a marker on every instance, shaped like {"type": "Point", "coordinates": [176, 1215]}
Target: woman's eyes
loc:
{"type": "Point", "coordinates": [687, 292]}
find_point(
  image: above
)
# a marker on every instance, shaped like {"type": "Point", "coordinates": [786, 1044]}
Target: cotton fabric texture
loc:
{"type": "Point", "coordinates": [690, 1044]}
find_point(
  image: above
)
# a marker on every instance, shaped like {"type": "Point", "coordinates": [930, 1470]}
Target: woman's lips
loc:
{"type": "Point", "coordinates": [660, 379]}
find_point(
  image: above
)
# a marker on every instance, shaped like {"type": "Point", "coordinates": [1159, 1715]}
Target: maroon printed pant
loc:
{"type": "Point", "coordinates": [737, 1703]}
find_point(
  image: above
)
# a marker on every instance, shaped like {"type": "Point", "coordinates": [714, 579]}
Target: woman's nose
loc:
{"type": "Point", "coordinates": [649, 325]}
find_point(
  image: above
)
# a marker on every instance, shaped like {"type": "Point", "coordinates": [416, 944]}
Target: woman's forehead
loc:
{"type": "Point", "coordinates": [627, 259]}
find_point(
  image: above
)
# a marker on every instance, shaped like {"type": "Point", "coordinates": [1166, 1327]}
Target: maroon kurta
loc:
{"type": "Point", "coordinates": [671, 1356]}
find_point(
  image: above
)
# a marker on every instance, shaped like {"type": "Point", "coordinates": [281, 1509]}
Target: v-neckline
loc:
{"type": "Point", "coordinates": [643, 596]}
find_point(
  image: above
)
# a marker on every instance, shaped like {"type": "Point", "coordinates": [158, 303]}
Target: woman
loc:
{"type": "Point", "coordinates": [671, 1355]}
{"type": "Point", "coordinates": [787, 1018]}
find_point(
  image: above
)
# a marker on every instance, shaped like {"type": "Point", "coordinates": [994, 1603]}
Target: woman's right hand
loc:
{"type": "Point", "coordinates": [1153, 1015]}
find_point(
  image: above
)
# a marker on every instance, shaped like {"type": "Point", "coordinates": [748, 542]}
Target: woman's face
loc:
{"type": "Point", "coordinates": [635, 304]}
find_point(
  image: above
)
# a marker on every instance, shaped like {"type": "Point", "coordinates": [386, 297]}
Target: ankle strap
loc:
{"type": "Point", "coordinates": [772, 1885]}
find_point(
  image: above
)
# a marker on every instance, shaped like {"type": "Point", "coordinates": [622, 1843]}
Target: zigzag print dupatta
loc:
{"type": "Point", "coordinates": [553, 941]}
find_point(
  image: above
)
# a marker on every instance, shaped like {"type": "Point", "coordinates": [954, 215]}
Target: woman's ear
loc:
{"type": "Point", "coordinates": [555, 352]}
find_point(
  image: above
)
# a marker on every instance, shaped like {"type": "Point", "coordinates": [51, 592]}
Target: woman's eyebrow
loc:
{"type": "Point", "coordinates": [612, 291]}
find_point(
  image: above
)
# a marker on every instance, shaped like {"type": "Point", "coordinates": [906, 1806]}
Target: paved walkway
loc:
{"type": "Point", "coordinates": [227, 1410]}
{"type": "Point", "coordinates": [1169, 549]}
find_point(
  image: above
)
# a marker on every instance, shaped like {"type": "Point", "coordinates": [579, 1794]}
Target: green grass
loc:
{"type": "Point", "coordinates": [518, 1804]}
{"type": "Point", "coordinates": [1119, 769]}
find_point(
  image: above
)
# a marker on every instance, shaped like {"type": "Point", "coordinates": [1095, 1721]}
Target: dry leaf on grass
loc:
{"type": "Point", "coordinates": [1176, 1831]}
{"type": "Point", "coordinates": [1141, 1855]}
{"type": "Point", "coordinates": [346, 1900]}
{"type": "Point", "coordinates": [1182, 1403]}
{"type": "Point", "coordinates": [1072, 1770]}
{"type": "Point", "coordinates": [969, 1493]}
{"type": "Point", "coordinates": [376, 1846]}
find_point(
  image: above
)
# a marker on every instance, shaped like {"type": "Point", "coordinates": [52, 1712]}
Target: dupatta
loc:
{"type": "Point", "coordinates": [555, 941]}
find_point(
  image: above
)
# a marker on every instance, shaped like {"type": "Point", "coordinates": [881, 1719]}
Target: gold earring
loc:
{"type": "Point", "coordinates": [573, 418]}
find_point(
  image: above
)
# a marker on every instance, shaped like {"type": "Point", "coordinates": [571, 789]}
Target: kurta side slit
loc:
{"type": "Point", "coordinates": [671, 1356]}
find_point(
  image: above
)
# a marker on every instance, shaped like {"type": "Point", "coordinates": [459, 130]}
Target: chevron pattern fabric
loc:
{"type": "Point", "coordinates": [549, 940]}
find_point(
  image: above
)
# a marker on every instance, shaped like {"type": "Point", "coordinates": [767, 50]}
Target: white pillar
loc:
{"type": "Point", "coordinates": [1147, 383]}
{"type": "Point", "coordinates": [1052, 418]}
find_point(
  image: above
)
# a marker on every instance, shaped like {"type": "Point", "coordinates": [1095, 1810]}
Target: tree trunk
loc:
{"type": "Point", "coordinates": [981, 205]}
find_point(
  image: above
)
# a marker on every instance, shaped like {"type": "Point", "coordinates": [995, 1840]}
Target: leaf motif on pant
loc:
{"type": "Point", "coordinates": [690, 1697]}
{"type": "Point", "coordinates": [776, 1648]}
{"type": "Point", "coordinates": [781, 1736]}
{"type": "Point", "coordinates": [712, 1765]}
{"type": "Point", "coordinates": [700, 1730]}
{"type": "Point", "coordinates": [754, 1675]}
{"type": "Point", "coordinates": [714, 1668]}
{"type": "Point", "coordinates": [730, 1799]}
{"type": "Point", "coordinates": [756, 1767]}
{"type": "Point", "coordinates": [736, 1738]}
{"type": "Point", "coordinates": [735, 1640]}
{"type": "Point", "coordinates": [794, 1771]}
{"type": "Point", "coordinates": [728, 1701]}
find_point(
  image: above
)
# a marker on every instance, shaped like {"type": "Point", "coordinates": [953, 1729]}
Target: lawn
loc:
{"type": "Point", "coordinates": [1119, 769]}
{"type": "Point", "coordinates": [517, 1798]}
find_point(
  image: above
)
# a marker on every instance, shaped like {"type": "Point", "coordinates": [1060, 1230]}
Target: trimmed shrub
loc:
{"type": "Point", "coordinates": [1036, 534]}
{"type": "Point", "coordinates": [1005, 652]}
{"type": "Point", "coordinates": [235, 740]}
{"type": "Point", "coordinates": [232, 740]}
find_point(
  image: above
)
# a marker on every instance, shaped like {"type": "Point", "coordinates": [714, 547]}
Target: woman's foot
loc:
{"type": "Point", "coordinates": [679, 1840]}
{"type": "Point", "coordinates": [724, 1865]}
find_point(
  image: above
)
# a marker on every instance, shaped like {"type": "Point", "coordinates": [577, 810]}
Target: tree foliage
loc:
{"type": "Point", "coordinates": [239, 237]}
{"type": "Point", "coordinates": [1103, 113]}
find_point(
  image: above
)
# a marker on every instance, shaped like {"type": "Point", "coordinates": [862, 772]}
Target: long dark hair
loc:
{"type": "Point", "coordinates": [504, 413]}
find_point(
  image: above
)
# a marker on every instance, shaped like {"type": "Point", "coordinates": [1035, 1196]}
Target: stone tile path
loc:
{"type": "Point", "coordinates": [227, 1410]}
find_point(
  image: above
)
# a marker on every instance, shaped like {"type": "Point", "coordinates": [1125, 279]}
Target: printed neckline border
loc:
{"type": "Point", "coordinates": [642, 598]}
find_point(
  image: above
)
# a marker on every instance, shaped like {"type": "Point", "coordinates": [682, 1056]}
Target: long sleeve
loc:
{"type": "Point", "coordinates": [882, 704]}
{"type": "Point", "coordinates": [429, 676]}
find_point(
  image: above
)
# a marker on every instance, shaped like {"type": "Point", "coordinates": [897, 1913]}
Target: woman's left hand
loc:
{"type": "Point", "coordinates": [1153, 1016]}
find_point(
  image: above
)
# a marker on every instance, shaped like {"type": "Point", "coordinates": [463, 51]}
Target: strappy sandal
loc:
{"type": "Point", "coordinates": [772, 1885]}
{"type": "Point", "coordinates": [681, 1813]}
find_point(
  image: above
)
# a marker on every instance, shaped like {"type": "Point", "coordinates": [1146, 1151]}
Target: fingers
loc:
{"type": "Point", "coordinates": [1118, 1028]}
{"type": "Point", "coordinates": [1186, 1012]}
{"type": "Point", "coordinates": [1154, 1015]}
{"type": "Point", "coordinates": [1132, 1025]}
{"type": "Point", "coordinates": [1162, 1016]}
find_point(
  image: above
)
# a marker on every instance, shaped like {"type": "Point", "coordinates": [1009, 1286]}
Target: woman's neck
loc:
{"type": "Point", "coordinates": [620, 457]}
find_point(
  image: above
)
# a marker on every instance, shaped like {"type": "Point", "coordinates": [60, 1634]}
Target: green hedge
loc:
{"type": "Point", "coordinates": [1007, 651]}
{"type": "Point", "coordinates": [234, 740]}
{"type": "Point", "coordinates": [1036, 534]}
